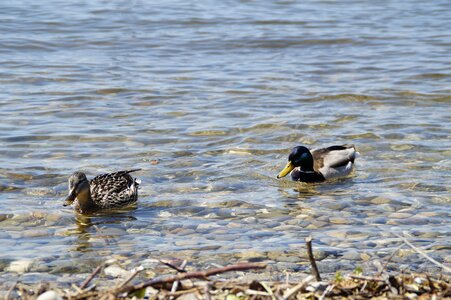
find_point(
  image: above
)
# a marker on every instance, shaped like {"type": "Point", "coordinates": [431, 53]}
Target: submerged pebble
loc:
{"type": "Point", "coordinates": [116, 271]}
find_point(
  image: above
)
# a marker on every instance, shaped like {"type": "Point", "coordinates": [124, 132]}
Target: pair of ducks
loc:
{"type": "Point", "coordinates": [121, 189]}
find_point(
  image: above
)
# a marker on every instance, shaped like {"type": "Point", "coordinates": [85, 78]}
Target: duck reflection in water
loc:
{"type": "Point", "coordinates": [102, 228]}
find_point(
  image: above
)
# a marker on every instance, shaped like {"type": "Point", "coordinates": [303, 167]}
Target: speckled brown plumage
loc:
{"type": "Point", "coordinates": [103, 191]}
{"type": "Point", "coordinates": [114, 189]}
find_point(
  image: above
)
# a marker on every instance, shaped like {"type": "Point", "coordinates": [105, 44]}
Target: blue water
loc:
{"type": "Point", "coordinates": [218, 92]}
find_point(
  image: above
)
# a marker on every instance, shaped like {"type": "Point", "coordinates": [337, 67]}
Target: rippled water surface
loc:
{"type": "Point", "coordinates": [208, 98]}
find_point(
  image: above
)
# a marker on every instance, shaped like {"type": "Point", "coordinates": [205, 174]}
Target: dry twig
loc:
{"type": "Point", "coordinates": [8, 294]}
{"type": "Point", "coordinates": [198, 274]}
{"type": "Point", "coordinates": [93, 274]}
{"type": "Point", "coordinates": [298, 287]}
{"type": "Point", "coordinates": [315, 272]}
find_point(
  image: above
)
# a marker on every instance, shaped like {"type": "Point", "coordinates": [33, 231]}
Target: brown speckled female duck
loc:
{"type": "Point", "coordinates": [102, 192]}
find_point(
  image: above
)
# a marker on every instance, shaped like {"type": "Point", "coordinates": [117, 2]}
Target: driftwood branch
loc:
{"type": "Point", "coordinates": [133, 275]}
{"type": "Point", "coordinates": [175, 284]}
{"type": "Point", "coordinates": [315, 272]}
{"type": "Point", "coordinates": [368, 278]}
{"type": "Point", "coordinates": [189, 275]}
{"type": "Point", "coordinates": [93, 274]}
{"type": "Point", "coordinates": [298, 287]}
{"type": "Point", "coordinates": [172, 266]}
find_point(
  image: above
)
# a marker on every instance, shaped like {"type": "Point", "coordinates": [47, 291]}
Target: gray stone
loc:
{"type": "Point", "coordinates": [19, 266]}
{"type": "Point", "coordinates": [115, 271]}
{"type": "Point", "coordinates": [49, 295]}
{"type": "Point", "coordinates": [206, 227]}
{"type": "Point", "coordinates": [399, 215]}
{"type": "Point", "coordinates": [351, 255]}
{"type": "Point", "coordinates": [338, 220]}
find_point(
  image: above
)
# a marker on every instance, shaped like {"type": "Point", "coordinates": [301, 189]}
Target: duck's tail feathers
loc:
{"type": "Point", "coordinates": [132, 170]}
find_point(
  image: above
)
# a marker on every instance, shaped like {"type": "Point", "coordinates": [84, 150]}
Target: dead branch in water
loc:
{"type": "Point", "coordinates": [189, 275]}
{"type": "Point", "coordinates": [315, 272]}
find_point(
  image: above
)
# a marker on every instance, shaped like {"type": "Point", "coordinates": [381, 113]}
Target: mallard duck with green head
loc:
{"type": "Point", "coordinates": [319, 164]}
{"type": "Point", "coordinates": [104, 191]}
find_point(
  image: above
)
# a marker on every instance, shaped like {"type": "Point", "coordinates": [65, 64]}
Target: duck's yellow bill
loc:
{"type": "Point", "coordinates": [288, 168]}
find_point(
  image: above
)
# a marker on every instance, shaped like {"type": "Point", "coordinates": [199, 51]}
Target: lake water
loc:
{"type": "Point", "coordinates": [217, 93]}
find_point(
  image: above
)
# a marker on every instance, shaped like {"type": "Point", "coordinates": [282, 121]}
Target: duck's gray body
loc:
{"type": "Point", "coordinates": [320, 164]}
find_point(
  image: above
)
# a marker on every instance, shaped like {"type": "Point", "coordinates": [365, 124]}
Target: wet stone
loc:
{"type": "Point", "coordinates": [428, 214]}
{"type": "Point", "coordinates": [365, 256]}
{"type": "Point", "coordinates": [290, 266]}
{"type": "Point", "coordinates": [351, 255]}
{"type": "Point", "coordinates": [36, 233]}
{"type": "Point", "coordinates": [311, 227]}
{"type": "Point", "coordinates": [202, 228]}
{"type": "Point", "coordinates": [271, 224]}
{"type": "Point", "coordinates": [250, 220]}
{"type": "Point", "coordinates": [319, 224]}
{"type": "Point", "coordinates": [183, 231]}
{"type": "Point", "coordinates": [336, 206]}
{"type": "Point", "coordinates": [250, 255]}
{"type": "Point", "coordinates": [341, 234]}
{"type": "Point", "coordinates": [112, 231]}
{"type": "Point", "coordinates": [20, 266]}
{"type": "Point", "coordinates": [187, 242]}
{"type": "Point", "coordinates": [379, 220]}
{"type": "Point", "coordinates": [330, 267]}
{"type": "Point", "coordinates": [338, 220]}
{"type": "Point", "coordinates": [399, 215]}
{"type": "Point", "coordinates": [380, 200]}
{"type": "Point", "coordinates": [115, 271]}
{"type": "Point", "coordinates": [286, 228]}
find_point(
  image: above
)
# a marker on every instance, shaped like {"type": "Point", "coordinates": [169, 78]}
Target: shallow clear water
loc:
{"type": "Point", "coordinates": [218, 93]}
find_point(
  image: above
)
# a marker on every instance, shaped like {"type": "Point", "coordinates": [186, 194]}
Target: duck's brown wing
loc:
{"type": "Point", "coordinates": [114, 189]}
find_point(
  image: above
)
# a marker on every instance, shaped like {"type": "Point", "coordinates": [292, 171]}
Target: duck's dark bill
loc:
{"type": "Point", "coordinates": [70, 199]}
{"type": "Point", "coordinates": [288, 168]}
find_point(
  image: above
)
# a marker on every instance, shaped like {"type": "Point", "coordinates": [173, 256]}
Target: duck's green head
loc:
{"type": "Point", "coordinates": [300, 156]}
{"type": "Point", "coordinates": [78, 185]}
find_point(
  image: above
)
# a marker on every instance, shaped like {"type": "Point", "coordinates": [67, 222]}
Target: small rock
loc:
{"type": "Point", "coordinates": [380, 200]}
{"type": "Point", "coordinates": [165, 214]}
{"type": "Point", "coordinates": [365, 256]}
{"type": "Point", "coordinates": [251, 254]}
{"type": "Point", "coordinates": [234, 225]}
{"type": "Point", "coordinates": [20, 266]}
{"type": "Point", "coordinates": [112, 231]}
{"type": "Point", "coordinates": [337, 234]}
{"type": "Point", "coordinates": [189, 296]}
{"type": "Point", "coordinates": [206, 227]}
{"type": "Point", "coordinates": [250, 220]}
{"type": "Point", "coordinates": [399, 215]}
{"type": "Point", "coordinates": [351, 255]}
{"type": "Point", "coordinates": [35, 233]}
{"type": "Point", "coordinates": [428, 214]}
{"type": "Point", "coordinates": [356, 235]}
{"type": "Point", "coordinates": [49, 295]}
{"type": "Point", "coordinates": [115, 271]}
{"type": "Point", "coordinates": [338, 220]}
